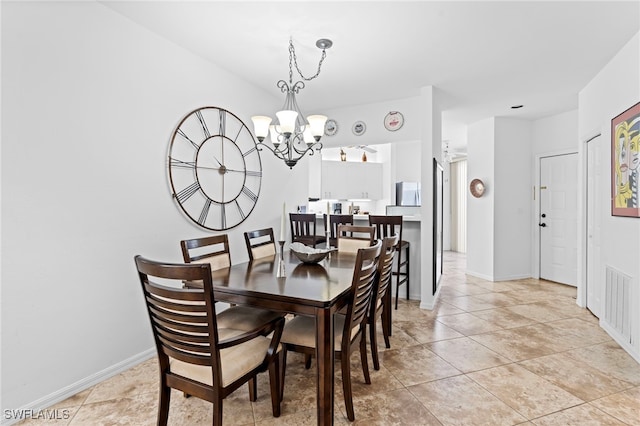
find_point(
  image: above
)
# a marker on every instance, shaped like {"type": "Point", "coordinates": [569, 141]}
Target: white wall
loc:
{"type": "Point", "coordinates": [612, 91]}
{"type": "Point", "coordinates": [513, 199]}
{"type": "Point", "coordinates": [557, 133]}
{"type": "Point", "coordinates": [553, 135]}
{"type": "Point", "coordinates": [498, 223]}
{"type": "Point", "coordinates": [480, 211]}
{"type": "Point", "coordinates": [89, 103]}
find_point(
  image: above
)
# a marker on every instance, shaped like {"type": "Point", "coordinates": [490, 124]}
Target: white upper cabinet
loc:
{"type": "Point", "coordinates": [348, 180]}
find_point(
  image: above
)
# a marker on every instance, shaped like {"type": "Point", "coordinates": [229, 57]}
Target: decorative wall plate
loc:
{"type": "Point", "coordinates": [330, 127]}
{"type": "Point", "coordinates": [477, 188]}
{"type": "Point", "coordinates": [393, 121]}
{"type": "Point", "coordinates": [359, 128]}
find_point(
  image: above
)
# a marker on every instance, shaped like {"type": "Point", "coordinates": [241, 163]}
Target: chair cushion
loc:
{"type": "Point", "coordinates": [217, 262]}
{"type": "Point", "coordinates": [245, 318]}
{"type": "Point", "coordinates": [263, 251]}
{"type": "Point", "coordinates": [301, 331]}
{"type": "Point", "coordinates": [235, 361]}
{"type": "Point", "coordinates": [351, 245]}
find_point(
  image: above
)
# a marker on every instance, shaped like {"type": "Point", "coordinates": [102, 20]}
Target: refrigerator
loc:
{"type": "Point", "coordinates": [408, 194]}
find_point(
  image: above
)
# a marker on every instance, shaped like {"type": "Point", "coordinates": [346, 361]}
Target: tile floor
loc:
{"type": "Point", "coordinates": [491, 353]}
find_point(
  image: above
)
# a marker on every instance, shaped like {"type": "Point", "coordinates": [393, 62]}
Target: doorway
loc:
{"type": "Point", "coordinates": [458, 203]}
{"type": "Point", "coordinates": [558, 218]}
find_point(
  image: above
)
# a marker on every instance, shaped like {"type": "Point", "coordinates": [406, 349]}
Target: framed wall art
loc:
{"type": "Point", "coordinates": [625, 163]}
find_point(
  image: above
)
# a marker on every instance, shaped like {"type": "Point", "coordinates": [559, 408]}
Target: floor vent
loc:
{"type": "Point", "coordinates": [617, 311]}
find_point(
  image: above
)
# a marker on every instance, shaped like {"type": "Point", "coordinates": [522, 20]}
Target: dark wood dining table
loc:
{"type": "Point", "coordinates": [317, 290]}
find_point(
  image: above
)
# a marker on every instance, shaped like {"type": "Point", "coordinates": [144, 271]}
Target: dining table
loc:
{"type": "Point", "coordinates": [314, 289]}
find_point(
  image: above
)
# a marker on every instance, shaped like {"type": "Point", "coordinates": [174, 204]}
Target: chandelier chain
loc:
{"type": "Point", "coordinates": [294, 60]}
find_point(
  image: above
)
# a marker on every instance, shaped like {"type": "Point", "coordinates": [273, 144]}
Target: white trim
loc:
{"type": "Point", "coordinates": [83, 384]}
{"type": "Point", "coordinates": [511, 277]}
{"type": "Point", "coordinates": [478, 275]}
{"type": "Point", "coordinates": [581, 296]}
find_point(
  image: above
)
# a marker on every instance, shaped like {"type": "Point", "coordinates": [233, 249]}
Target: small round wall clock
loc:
{"type": "Point", "coordinates": [330, 127]}
{"type": "Point", "coordinates": [477, 188]}
{"type": "Point", "coordinates": [215, 169]}
{"type": "Point", "coordinates": [393, 121]}
{"type": "Point", "coordinates": [359, 128]}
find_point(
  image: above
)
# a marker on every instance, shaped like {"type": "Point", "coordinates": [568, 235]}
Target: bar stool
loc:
{"type": "Point", "coordinates": [303, 229]}
{"type": "Point", "coordinates": [334, 221]}
{"type": "Point", "coordinates": [387, 226]}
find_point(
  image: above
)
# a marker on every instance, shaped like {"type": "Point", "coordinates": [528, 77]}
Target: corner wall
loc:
{"type": "Point", "coordinates": [615, 89]}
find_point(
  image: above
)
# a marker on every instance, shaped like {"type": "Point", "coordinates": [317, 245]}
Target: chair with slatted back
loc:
{"type": "Point", "coordinates": [380, 293]}
{"type": "Point", "coordinates": [352, 237]}
{"type": "Point", "coordinates": [334, 221]}
{"type": "Point", "coordinates": [303, 229]}
{"type": "Point", "coordinates": [214, 251]}
{"type": "Point", "coordinates": [260, 243]}
{"type": "Point", "coordinates": [196, 355]}
{"type": "Point", "coordinates": [387, 226]}
{"type": "Point", "coordinates": [349, 330]}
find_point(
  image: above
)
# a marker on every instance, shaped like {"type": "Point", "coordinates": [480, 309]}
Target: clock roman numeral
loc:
{"type": "Point", "coordinates": [174, 162]}
{"type": "Point", "coordinates": [184, 135]}
{"type": "Point", "coordinates": [223, 216]}
{"type": "Point", "coordinates": [250, 151]}
{"type": "Point", "coordinates": [205, 129]}
{"type": "Point", "coordinates": [187, 192]}
{"type": "Point", "coordinates": [252, 173]}
{"type": "Point", "coordinates": [249, 193]}
{"type": "Point", "coordinates": [223, 121]}
{"type": "Point", "coordinates": [205, 212]}
{"type": "Point", "coordinates": [240, 210]}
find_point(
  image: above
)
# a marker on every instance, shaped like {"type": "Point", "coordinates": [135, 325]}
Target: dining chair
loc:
{"type": "Point", "coordinates": [260, 243]}
{"type": "Point", "coordinates": [392, 225]}
{"type": "Point", "coordinates": [214, 251]}
{"type": "Point", "coordinates": [349, 330]}
{"type": "Point", "coordinates": [380, 290]}
{"type": "Point", "coordinates": [352, 237]}
{"type": "Point", "coordinates": [196, 355]}
{"type": "Point", "coordinates": [303, 229]}
{"type": "Point", "coordinates": [334, 221]}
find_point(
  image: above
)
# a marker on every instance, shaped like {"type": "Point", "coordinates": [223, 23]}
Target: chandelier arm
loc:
{"type": "Point", "coordinates": [277, 152]}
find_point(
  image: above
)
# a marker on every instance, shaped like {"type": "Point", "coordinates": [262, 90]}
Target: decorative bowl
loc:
{"type": "Point", "coordinates": [308, 254]}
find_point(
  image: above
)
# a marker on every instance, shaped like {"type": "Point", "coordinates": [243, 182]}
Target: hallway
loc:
{"type": "Point", "coordinates": [491, 353]}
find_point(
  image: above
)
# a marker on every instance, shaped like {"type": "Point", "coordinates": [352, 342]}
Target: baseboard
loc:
{"type": "Point", "coordinates": [620, 340]}
{"type": "Point", "coordinates": [512, 277]}
{"type": "Point", "coordinates": [74, 388]}
{"type": "Point", "coordinates": [479, 275]}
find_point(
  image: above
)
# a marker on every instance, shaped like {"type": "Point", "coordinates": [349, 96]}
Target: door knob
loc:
{"type": "Point", "coordinates": [544, 225]}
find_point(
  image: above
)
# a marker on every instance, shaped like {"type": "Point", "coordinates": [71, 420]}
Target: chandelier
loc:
{"type": "Point", "coordinates": [294, 136]}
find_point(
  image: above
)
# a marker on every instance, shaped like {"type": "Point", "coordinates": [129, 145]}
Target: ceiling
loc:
{"type": "Point", "coordinates": [483, 56]}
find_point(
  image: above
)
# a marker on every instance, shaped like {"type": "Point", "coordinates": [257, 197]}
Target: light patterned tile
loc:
{"type": "Point", "coordinates": [459, 400]}
{"type": "Point", "coordinates": [398, 407]}
{"type": "Point", "coordinates": [581, 380]}
{"type": "Point", "coordinates": [581, 415]}
{"type": "Point", "coordinates": [527, 393]}
{"type": "Point", "coordinates": [467, 324]}
{"type": "Point", "coordinates": [457, 353]}
{"type": "Point", "coordinates": [624, 406]}
{"type": "Point", "coordinates": [416, 365]}
{"type": "Point", "coordinates": [610, 359]}
{"type": "Point", "coordinates": [424, 332]}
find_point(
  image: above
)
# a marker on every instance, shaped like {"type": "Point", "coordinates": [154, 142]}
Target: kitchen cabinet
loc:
{"type": "Point", "coordinates": [347, 180]}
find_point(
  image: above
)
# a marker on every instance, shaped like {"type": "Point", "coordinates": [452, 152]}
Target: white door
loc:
{"type": "Point", "coordinates": [559, 218]}
{"type": "Point", "coordinates": [595, 190]}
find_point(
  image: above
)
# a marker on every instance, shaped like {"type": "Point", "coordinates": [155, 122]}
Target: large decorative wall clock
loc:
{"type": "Point", "coordinates": [215, 169]}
